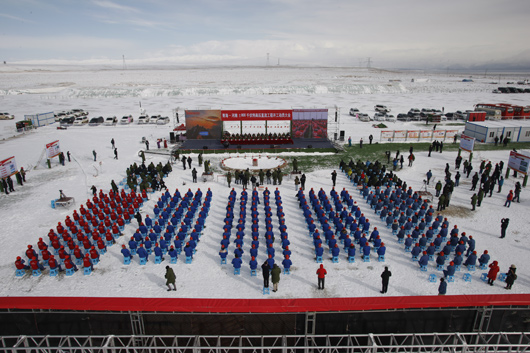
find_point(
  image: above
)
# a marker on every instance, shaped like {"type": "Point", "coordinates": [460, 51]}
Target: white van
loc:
{"type": "Point", "coordinates": [381, 108]}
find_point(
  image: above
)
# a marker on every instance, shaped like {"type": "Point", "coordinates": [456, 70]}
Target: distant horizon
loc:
{"type": "Point", "coordinates": [115, 65]}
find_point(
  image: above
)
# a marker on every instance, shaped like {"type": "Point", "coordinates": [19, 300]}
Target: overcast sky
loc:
{"type": "Point", "coordinates": [392, 33]}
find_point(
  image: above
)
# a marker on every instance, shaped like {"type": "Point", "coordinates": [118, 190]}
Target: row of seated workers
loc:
{"type": "Point", "coordinates": [82, 238]}
{"type": "Point", "coordinates": [180, 222]}
{"type": "Point", "coordinates": [254, 230]}
{"type": "Point", "coordinates": [413, 222]}
{"type": "Point", "coordinates": [260, 138]}
{"type": "Point", "coordinates": [340, 221]}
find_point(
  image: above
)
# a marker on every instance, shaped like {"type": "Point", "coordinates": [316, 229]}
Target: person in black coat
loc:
{"type": "Point", "coordinates": [10, 184]}
{"type": "Point", "coordinates": [266, 270]}
{"type": "Point", "coordinates": [504, 226]}
{"type": "Point", "coordinates": [385, 276]}
{"type": "Point", "coordinates": [138, 217]}
{"type": "Point", "coordinates": [511, 277]}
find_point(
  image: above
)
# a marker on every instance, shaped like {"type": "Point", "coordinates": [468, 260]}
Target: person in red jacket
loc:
{"type": "Point", "coordinates": [509, 199]}
{"type": "Point", "coordinates": [87, 262]}
{"type": "Point", "coordinates": [68, 264]}
{"type": "Point", "coordinates": [53, 264]}
{"type": "Point", "coordinates": [321, 272]}
{"type": "Point", "coordinates": [20, 265]}
{"type": "Point", "coordinates": [94, 255]}
{"type": "Point", "coordinates": [492, 274]}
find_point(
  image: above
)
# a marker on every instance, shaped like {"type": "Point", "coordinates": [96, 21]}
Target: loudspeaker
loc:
{"type": "Point", "coordinates": [204, 147]}
{"type": "Point", "coordinates": [309, 146]}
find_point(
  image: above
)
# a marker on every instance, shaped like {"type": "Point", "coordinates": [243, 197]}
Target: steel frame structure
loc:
{"type": "Point", "coordinates": [373, 343]}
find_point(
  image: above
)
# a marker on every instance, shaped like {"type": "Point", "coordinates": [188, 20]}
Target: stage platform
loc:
{"type": "Point", "coordinates": [298, 144]}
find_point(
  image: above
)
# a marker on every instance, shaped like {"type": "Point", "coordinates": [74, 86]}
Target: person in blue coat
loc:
{"type": "Point", "coordinates": [253, 263]}
{"type": "Point", "coordinates": [424, 259]}
{"type": "Point", "coordinates": [366, 250]}
{"type": "Point", "coordinates": [351, 250]}
{"type": "Point", "coordinates": [450, 270]}
{"type": "Point", "coordinates": [133, 244]}
{"type": "Point", "coordinates": [381, 250]}
{"type": "Point", "coordinates": [470, 245]}
{"type": "Point", "coordinates": [440, 260]}
{"type": "Point", "coordinates": [471, 259]}
{"type": "Point", "coordinates": [142, 253]}
{"type": "Point", "coordinates": [484, 258]}
{"type": "Point", "coordinates": [416, 250]}
{"type": "Point", "coordinates": [188, 250]}
{"type": "Point", "coordinates": [223, 252]}
{"type": "Point", "coordinates": [158, 251]}
{"type": "Point", "coordinates": [335, 251]}
{"type": "Point", "coordinates": [319, 251]}
{"type": "Point", "coordinates": [125, 252]}
{"type": "Point", "coordinates": [287, 262]}
{"type": "Point", "coordinates": [458, 259]}
{"type": "Point", "coordinates": [408, 241]}
{"type": "Point", "coordinates": [236, 262]}
{"type": "Point", "coordinates": [442, 288]}
{"type": "Point", "coordinates": [172, 252]}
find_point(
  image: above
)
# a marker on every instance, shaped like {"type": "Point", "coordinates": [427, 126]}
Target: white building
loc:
{"type": "Point", "coordinates": [485, 131]}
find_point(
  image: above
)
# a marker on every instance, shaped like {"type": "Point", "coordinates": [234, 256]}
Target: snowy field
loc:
{"type": "Point", "coordinates": [26, 214]}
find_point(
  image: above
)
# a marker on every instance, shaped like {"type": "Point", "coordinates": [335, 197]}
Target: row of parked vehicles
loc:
{"type": "Point", "coordinates": [511, 90]}
{"type": "Point", "coordinates": [414, 114]}
{"type": "Point", "coordinates": [80, 117]}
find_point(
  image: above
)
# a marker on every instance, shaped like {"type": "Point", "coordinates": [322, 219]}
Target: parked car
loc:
{"type": "Point", "coordinates": [403, 117]}
{"type": "Point", "coordinates": [6, 116]}
{"type": "Point", "coordinates": [379, 117]}
{"type": "Point", "coordinates": [381, 108]}
{"type": "Point", "coordinates": [111, 120]}
{"type": "Point", "coordinates": [162, 120]}
{"type": "Point", "coordinates": [413, 111]}
{"type": "Point", "coordinates": [154, 119]}
{"type": "Point", "coordinates": [78, 112]}
{"type": "Point", "coordinates": [143, 119]}
{"type": "Point", "coordinates": [60, 115]}
{"type": "Point", "coordinates": [81, 120]}
{"type": "Point", "coordinates": [96, 121]}
{"type": "Point", "coordinates": [354, 111]}
{"type": "Point", "coordinates": [364, 117]}
{"type": "Point", "coordinates": [390, 117]}
{"type": "Point", "coordinates": [127, 119]}
{"type": "Point", "coordinates": [69, 120]}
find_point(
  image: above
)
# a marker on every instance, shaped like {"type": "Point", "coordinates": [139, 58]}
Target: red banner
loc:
{"type": "Point", "coordinates": [231, 115]}
{"type": "Point", "coordinates": [261, 305]}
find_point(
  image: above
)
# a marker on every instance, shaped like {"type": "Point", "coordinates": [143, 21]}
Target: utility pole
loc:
{"type": "Point", "coordinates": [278, 61]}
{"type": "Point", "coordinates": [369, 62]}
{"type": "Point", "coordinates": [124, 66]}
{"type": "Point", "coordinates": [267, 59]}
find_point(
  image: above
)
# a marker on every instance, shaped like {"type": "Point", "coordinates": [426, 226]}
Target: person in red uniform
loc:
{"type": "Point", "coordinates": [54, 265]}
{"type": "Point", "coordinates": [321, 272]}
{"type": "Point", "coordinates": [20, 264]}
{"type": "Point", "coordinates": [35, 264]}
{"type": "Point", "coordinates": [94, 255]}
{"type": "Point", "coordinates": [87, 262]}
{"type": "Point", "coordinates": [68, 264]}
{"type": "Point", "coordinates": [30, 253]}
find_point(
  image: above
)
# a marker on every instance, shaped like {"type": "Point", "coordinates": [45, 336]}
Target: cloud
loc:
{"type": "Point", "coordinates": [16, 18]}
{"type": "Point", "coordinates": [113, 6]}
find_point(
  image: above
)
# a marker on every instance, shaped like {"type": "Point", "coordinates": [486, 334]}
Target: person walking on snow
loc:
{"type": "Point", "coordinates": [492, 274]}
{"type": "Point", "coordinates": [509, 199]}
{"type": "Point", "coordinates": [112, 143]}
{"type": "Point", "coordinates": [265, 269]}
{"type": "Point", "coordinates": [321, 272]}
{"type": "Point", "coordinates": [115, 153]}
{"type": "Point", "coordinates": [170, 278]}
{"type": "Point", "coordinates": [95, 154]}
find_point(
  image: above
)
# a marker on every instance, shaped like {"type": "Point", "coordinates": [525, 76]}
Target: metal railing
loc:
{"type": "Point", "coordinates": [422, 342]}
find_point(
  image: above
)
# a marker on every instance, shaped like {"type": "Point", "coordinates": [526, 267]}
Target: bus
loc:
{"type": "Point", "coordinates": [506, 109]}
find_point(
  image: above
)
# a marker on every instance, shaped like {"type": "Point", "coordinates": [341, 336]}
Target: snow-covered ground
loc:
{"type": "Point", "coordinates": [26, 214]}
